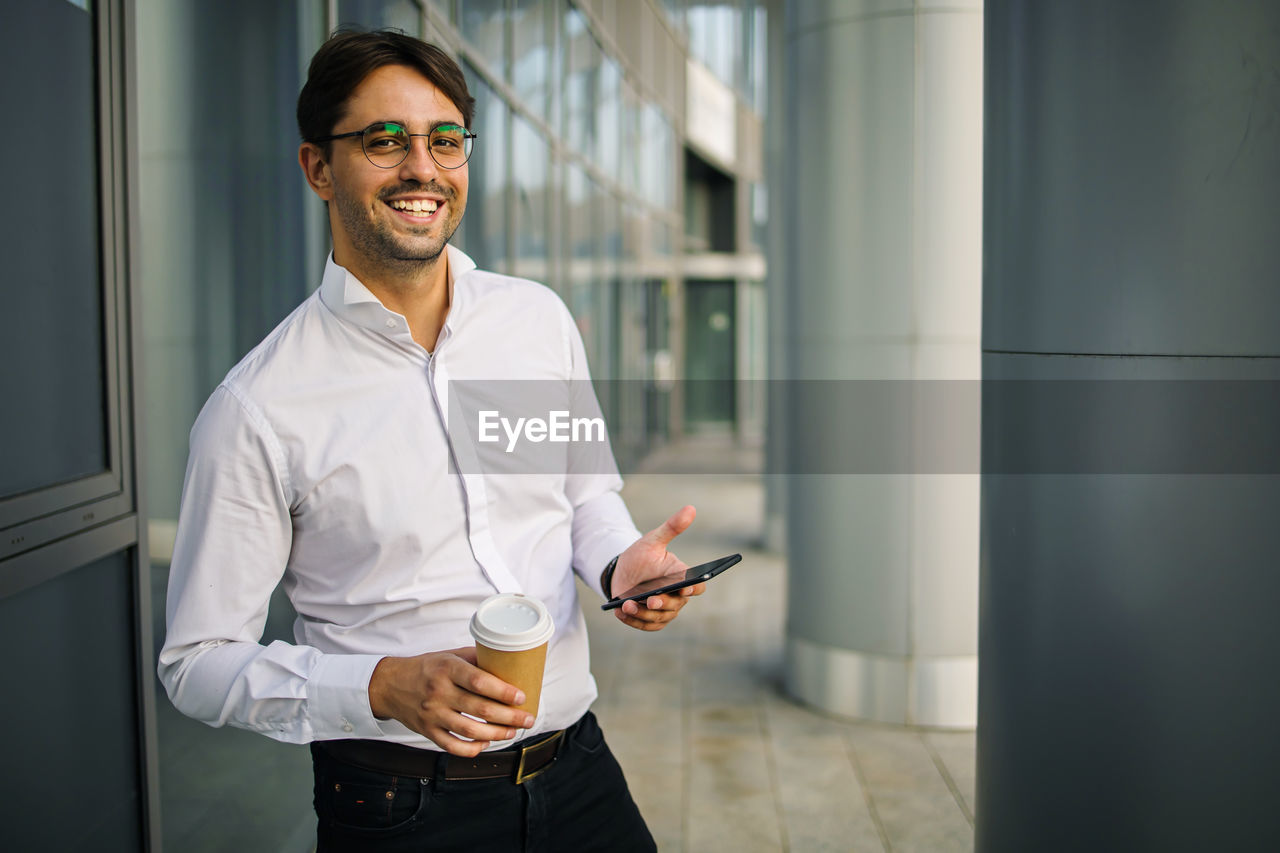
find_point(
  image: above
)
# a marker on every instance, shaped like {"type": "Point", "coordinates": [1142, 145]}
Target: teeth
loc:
{"type": "Point", "coordinates": [415, 206]}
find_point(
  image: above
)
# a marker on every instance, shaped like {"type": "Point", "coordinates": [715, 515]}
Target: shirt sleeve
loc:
{"type": "Point", "coordinates": [602, 525]}
{"type": "Point", "coordinates": [232, 546]}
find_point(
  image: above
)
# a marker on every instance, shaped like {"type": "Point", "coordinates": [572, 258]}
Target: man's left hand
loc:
{"type": "Point", "coordinates": [646, 559]}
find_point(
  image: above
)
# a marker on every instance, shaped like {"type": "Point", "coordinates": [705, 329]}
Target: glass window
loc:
{"type": "Point", "coordinates": [532, 55]}
{"type": "Point", "coordinates": [609, 117]}
{"type": "Point", "coordinates": [583, 56]}
{"type": "Point", "coordinates": [714, 37]}
{"type": "Point", "coordinates": [580, 251]}
{"type": "Point", "coordinates": [577, 201]}
{"type": "Point", "coordinates": [530, 160]}
{"type": "Point", "coordinates": [675, 13]}
{"type": "Point", "coordinates": [484, 26]}
{"type": "Point", "coordinates": [55, 422]}
{"type": "Point", "coordinates": [484, 227]}
{"type": "Point", "coordinates": [377, 14]}
{"type": "Point", "coordinates": [658, 167]}
{"type": "Point", "coordinates": [755, 54]}
{"type": "Point", "coordinates": [663, 242]}
{"type": "Point", "coordinates": [631, 143]}
{"type": "Point", "coordinates": [759, 214]}
{"type": "Point", "coordinates": [610, 223]}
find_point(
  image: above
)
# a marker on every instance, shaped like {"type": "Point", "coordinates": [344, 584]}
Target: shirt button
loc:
{"type": "Point", "coordinates": [391, 324]}
{"type": "Point", "coordinates": [348, 728]}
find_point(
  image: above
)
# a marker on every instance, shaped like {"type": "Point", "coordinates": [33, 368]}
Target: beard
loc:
{"type": "Point", "coordinates": [381, 245]}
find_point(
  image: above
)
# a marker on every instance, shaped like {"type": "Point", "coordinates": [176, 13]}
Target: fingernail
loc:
{"type": "Point", "coordinates": [528, 721]}
{"type": "Point", "coordinates": [519, 697]}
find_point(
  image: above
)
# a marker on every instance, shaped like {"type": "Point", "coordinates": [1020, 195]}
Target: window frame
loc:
{"type": "Point", "coordinates": [40, 517]}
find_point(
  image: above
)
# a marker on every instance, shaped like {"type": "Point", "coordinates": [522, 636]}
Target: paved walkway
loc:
{"type": "Point", "coordinates": [717, 757]}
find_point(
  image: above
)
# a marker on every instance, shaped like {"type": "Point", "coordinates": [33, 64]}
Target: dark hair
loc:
{"type": "Point", "coordinates": [348, 56]}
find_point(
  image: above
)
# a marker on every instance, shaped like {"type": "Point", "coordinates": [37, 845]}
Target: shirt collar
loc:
{"type": "Point", "coordinates": [347, 297]}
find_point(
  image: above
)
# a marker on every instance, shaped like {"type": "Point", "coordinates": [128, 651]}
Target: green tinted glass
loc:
{"type": "Point", "coordinates": [387, 144]}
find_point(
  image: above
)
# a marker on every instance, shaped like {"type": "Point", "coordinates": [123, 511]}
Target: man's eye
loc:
{"type": "Point", "coordinates": [445, 142]}
{"type": "Point", "coordinates": [384, 142]}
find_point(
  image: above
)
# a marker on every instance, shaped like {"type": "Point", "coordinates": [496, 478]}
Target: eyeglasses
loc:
{"type": "Point", "coordinates": [386, 143]}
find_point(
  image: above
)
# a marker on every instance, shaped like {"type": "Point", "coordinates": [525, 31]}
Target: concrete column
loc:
{"type": "Point", "coordinates": [1128, 698]}
{"type": "Point", "coordinates": [776, 171]}
{"type": "Point", "coordinates": [882, 200]}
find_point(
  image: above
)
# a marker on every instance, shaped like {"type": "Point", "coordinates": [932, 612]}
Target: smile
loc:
{"type": "Point", "coordinates": [422, 208]}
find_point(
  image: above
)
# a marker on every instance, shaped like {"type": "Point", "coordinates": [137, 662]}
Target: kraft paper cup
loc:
{"type": "Point", "coordinates": [511, 633]}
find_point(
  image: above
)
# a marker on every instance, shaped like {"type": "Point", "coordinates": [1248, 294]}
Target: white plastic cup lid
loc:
{"type": "Point", "coordinates": [510, 622]}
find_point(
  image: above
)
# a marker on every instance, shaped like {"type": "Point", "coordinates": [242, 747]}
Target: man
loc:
{"type": "Point", "coordinates": [324, 458]}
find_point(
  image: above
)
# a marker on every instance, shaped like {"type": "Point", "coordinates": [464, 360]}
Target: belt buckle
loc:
{"type": "Point", "coordinates": [521, 776]}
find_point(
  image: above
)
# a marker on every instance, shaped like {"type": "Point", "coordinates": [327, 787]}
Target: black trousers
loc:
{"type": "Point", "coordinates": [580, 803]}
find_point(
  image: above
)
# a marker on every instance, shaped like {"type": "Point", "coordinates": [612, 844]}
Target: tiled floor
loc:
{"type": "Point", "coordinates": [717, 757]}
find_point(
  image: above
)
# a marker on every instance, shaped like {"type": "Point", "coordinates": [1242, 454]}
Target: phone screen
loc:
{"type": "Point", "coordinates": [671, 583]}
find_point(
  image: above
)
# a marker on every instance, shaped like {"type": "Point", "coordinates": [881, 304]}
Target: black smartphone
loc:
{"type": "Point", "coordinates": [671, 583]}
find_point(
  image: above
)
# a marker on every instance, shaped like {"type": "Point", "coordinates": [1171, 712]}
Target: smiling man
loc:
{"type": "Point", "coordinates": [323, 460]}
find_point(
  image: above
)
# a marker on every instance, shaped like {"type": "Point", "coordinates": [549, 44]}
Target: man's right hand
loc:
{"type": "Point", "coordinates": [431, 693]}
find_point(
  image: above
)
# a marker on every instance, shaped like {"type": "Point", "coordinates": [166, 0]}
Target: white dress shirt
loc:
{"type": "Point", "coordinates": [323, 458]}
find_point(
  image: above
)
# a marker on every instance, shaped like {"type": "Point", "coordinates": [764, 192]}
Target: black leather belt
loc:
{"type": "Point", "coordinates": [517, 763]}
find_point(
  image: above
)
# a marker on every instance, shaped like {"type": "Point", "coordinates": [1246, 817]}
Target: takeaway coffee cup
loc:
{"type": "Point", "coordinates": [511, 633]}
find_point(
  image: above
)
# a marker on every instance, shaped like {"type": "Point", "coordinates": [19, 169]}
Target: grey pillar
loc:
{"type": "Point", "coordinates": [882, 202]}
{"type": "Point", "coordinates": [776, 175]}
{"type": "Point", "coordinates": [1129, 631]}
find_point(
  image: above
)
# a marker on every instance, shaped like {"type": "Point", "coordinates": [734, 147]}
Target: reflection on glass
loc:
{"type": "Point", "coordinates": [658, 158]}
{"type": "Point", "coordinates": [715, 37]}
{"type": "Point", "coordinates": [55, 425]}
{"type": "Point", "coordinates": [484, 26]}
{"type": "Point", "coordinates": [610, 224]}
{"type": "Point", "coordinates": [675, 13]}
{"type": "Point", "coordinates": [484, 230]}
{"type": "Point", "coordinates": [609, 113]}
{"type": "Point", "coordinates": [532, 56]}
{"type": "Point", "coordinates": [583, 56]}
{"type": "Point", "coordinates": [629, 131]}
{"type": "Point", "coordinates": [756, 55]}
{"type": "Point", "coordinates": [378, 14]}
{"type": "Point", "coordinates": [580, 252]}
{"type": "Point", "coordinates": [759, 213]}
{"type": "Point", "coordinates": [530, 156]}
{"type": "Point", "coordinates": [577, 202]}
{"type": "Point", "coordinates": [663, 244]}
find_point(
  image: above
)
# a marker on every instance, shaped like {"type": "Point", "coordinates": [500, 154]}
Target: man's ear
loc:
{"type": "Point", "coordinates": [315, 168]}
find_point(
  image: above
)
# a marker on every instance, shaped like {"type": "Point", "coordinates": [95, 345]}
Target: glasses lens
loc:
{"type": "Point", "coordinates": [450, 145]}
{"type": "Point", "coordinates": [386, 144]}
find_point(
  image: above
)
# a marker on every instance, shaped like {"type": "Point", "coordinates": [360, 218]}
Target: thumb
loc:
{"type": "Point", "coordinates": [674, 526]}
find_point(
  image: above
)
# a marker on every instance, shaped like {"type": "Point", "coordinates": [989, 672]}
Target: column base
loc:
{"type": "Point", "coordinates": [939, 692]}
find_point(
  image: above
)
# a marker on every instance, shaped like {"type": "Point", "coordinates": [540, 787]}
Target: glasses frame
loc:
{"type": "Point", "coordinates": [466, 134]}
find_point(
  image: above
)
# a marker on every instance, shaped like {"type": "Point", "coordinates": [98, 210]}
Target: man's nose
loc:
{"type": "Point", "coordinates": [418, 162]}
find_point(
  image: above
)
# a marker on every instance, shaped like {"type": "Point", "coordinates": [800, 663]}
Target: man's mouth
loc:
{"type": "Point", "coordinates": [419, 207]}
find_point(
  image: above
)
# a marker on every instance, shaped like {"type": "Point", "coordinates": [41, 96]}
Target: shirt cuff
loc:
{"type": "Point", "coordinates": [600, 553]}
{"type": "Point", "coordinates": [338, 694]}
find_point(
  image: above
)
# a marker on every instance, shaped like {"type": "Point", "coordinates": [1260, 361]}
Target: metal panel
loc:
{"type": "Point", "coordinates": [76, 721]}
{"type": "Point", "coordinates": [1131, 177]}
{"type": "Point", "coordinates": [1128, 631]}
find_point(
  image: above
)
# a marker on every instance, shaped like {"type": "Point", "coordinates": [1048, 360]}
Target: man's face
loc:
{"type": "Point", "coordinates": [373, 233]}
